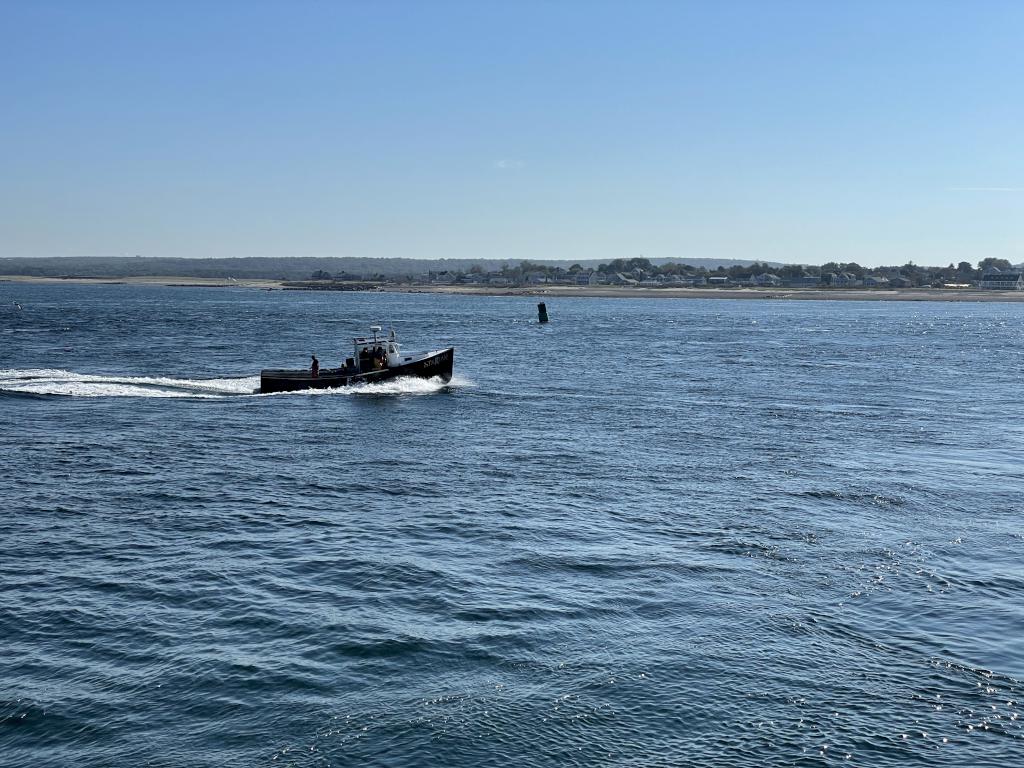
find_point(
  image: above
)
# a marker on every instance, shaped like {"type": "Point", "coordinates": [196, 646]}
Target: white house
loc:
{"type": "Point", "coordinates": [1003, 281]}
{"type": "Point", "coordinates": [766, 279]}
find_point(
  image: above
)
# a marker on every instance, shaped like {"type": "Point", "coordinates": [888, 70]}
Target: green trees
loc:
{"type": "Point", "coordinates": [1001, 264]}
{"type": "Point", "coordinates": [627, 265]}
{"type": "Point", "coordinates": [788, 271]}
{"type": "Point", "coordinates": [965, 272]}
{"type": "Point", "coordinates": [850, 267]}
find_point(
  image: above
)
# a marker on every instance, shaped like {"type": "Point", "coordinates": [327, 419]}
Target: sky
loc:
{"type": "Point", "coordinates": [798, 132]}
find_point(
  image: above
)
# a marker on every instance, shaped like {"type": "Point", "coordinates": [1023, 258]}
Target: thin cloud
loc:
{"type": "Point", "coordinates": [985, 189]}
{"type": "Point", "coordinates": [508, 164]}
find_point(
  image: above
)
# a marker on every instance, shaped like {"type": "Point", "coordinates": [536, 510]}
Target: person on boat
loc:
{"type": "Point", "coordinates": [379, 358]}
{"type": "Point", "coordinates": [364, 359]}
{"type": "Point", "coordinates": [314, 368]}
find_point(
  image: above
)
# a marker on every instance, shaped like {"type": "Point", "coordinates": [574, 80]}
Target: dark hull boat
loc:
{"type": "Point", "coordinates": [374, 360]}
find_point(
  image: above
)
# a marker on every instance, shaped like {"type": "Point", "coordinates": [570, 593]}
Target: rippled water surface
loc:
{"type": "Point", "coordinates": [650, 533]}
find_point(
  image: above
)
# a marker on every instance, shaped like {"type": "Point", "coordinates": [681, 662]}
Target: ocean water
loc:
{"type": "Point", "coordinates": [650, 533]}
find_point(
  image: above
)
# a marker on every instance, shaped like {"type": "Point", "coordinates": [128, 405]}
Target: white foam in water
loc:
{"type": "Point", "coordinates": [46, 381]}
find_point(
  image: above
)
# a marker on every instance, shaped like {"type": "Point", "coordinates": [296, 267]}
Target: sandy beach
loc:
{"type": "Point", "coordinates": [570, 291]}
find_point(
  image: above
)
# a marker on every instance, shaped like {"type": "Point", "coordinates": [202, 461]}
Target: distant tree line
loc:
{"type": "Point", "coordinates": [282, 268]}
{"type": "Point", "coordinates": [400, 269]}
{"type": "Point", "coordinates": [960, 273]}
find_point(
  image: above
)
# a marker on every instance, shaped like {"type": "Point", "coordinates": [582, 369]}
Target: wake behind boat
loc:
{"type": "Point", "coordinates": [373, 360]}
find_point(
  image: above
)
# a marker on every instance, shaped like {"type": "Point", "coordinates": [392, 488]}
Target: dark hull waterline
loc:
{"type": "Point", "coordinates": [434, 365]}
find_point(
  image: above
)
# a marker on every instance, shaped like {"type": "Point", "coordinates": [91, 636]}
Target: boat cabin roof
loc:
{"type": "Point", "coordinates": [377, 340]}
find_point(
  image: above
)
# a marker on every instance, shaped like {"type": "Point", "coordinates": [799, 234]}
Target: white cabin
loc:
{"type": "Point", "coordinates": [378, 352]}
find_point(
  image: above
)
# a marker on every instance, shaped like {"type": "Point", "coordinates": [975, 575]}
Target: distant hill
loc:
{"type": "Point", "coordinates": [288, 268]}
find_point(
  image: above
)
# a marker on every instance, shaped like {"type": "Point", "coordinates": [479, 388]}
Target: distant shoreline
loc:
{"type": "Point", "coordinates": [568, 291]}
{"type": "Point", "coordinates": [777, 294]}
{"type": "Point", "coordinates": [182, 282]}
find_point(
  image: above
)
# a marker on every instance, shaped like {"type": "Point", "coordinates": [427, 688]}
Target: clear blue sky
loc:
{"type": "Point", "coordinates": [876, 132]}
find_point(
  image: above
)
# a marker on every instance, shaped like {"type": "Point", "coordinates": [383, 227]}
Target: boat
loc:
{"type": "Point", "coordinates": [374, 359]}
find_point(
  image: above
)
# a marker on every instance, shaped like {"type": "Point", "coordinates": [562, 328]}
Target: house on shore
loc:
{"type": "Point", "coordinates": [805, 280]}
{"type": "Point", "coordinates": [588, 278]}
{"type": "Point", "coordinates": [535, 278]}
{"type": "Point", "coordinates": [843, 280]}
{"type": "Point", "coordinates": [994, 280]}
{"type": "Point", "coordinates": [620, 279]}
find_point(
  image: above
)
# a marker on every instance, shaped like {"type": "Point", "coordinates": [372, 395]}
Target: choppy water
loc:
{"type": "Point", "coordinates": [653, 532]}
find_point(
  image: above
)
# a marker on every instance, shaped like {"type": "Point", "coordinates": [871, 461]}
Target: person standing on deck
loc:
{"type": "Point", "coordinates": [314, 367]}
